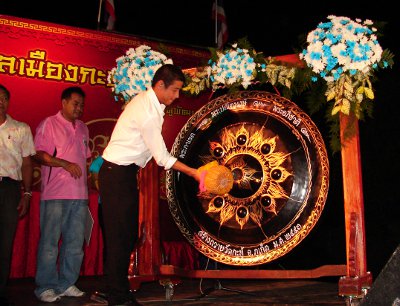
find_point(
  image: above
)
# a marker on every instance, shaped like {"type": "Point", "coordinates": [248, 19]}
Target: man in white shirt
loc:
{"type": "Point", "coordinates": [135, 140]}
{"type": "Point", "coordinates": [16, 149]}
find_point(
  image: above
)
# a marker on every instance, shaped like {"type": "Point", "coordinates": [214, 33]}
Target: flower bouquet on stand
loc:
{"type": "Point", "coordinates": [236, 68]}
{"type": "Point", "coordinates": [345, 54]}
{"type": "Point", "coordinates": [134, 72]}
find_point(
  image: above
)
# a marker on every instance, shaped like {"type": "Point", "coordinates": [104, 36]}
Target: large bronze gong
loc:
{"type": "Point", "coordinates": [281, 177]}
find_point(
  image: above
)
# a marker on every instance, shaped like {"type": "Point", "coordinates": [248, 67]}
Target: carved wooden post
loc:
{"type": "Point", "coordinates": [357, 278]}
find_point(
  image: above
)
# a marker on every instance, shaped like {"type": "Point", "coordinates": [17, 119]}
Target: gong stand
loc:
{"type": "Point", "coordinates": [357, 279]}
{"type": "Point", "coordinates": [146, 261]}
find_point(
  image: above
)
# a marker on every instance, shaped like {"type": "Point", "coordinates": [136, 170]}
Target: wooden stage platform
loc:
{"type": "Point", "coordinates": [323, 291]}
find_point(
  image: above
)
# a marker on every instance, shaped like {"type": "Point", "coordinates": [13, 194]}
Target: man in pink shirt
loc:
{"type": "Point", "coordinates": [61, 142]}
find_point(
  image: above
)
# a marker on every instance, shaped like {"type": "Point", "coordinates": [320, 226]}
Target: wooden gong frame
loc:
{"type": "Point", "coordinates": [146, 261]}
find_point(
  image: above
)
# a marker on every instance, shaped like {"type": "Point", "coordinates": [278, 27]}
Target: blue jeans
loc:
{"type": "Point", "coordinates": [65, 220]}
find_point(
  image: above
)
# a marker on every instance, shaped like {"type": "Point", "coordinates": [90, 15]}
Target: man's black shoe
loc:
{"type": "Point", "coordinates": [99, 297]}
{"type": "Point", "coordinates": [5, 302]}
{"type": "Point", "coordinates": [130, 303]}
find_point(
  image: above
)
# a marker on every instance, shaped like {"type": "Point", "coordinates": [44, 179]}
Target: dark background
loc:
{"type": "Point", "coordinates": [276, 28]}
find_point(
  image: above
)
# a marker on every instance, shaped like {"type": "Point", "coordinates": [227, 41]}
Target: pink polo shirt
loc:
{"type": "Point", "coordinates": [72, 144]}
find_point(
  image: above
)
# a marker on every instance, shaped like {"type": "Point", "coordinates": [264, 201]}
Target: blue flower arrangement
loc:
{"type": "Point", "coordinates": [345, 53]}
{"type": "Point", "coordinates": [134, 71]}
{"type": "Point", "coordinates": [235, 66]}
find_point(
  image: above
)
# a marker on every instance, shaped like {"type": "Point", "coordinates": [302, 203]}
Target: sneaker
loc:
{"type": "Point", "coordinates": [49, 296]}
{"type": "Point", "coordinates": [73, 291]}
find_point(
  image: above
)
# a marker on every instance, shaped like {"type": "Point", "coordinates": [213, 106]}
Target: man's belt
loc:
{"type": "Point", "coordinates": [6, 179]}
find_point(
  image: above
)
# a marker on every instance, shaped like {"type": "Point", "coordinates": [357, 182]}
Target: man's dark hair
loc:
{"type": "Point", "coordinates": [67, 92]}
{"type": "Point", "coordinates": [2, 87]}
{"type": "Point", "coordinates": [168, 73]}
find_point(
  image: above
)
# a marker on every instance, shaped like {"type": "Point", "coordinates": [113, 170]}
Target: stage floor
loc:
{"type": "Point", "coordinates": [201, 292]}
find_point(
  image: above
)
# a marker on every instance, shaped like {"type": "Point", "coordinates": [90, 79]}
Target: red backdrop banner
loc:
{"type": "Point", "coordinates": [37, 61]}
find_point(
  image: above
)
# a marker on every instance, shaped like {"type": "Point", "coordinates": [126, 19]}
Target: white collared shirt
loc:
{"type": "Point", "coordinates": [16, 142]}
{"type": "Point", "coordinates": [137, 137]}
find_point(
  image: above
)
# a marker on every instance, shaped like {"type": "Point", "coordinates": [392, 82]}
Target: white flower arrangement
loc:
{"type": "Point", "coordinates": [342, 45]}
{"type": "Point", "coordinates": [345, 54]}
{"type": "Point", "coordinates": [237, 66]}
{"type": "Point", "coordinates": [134, 71]}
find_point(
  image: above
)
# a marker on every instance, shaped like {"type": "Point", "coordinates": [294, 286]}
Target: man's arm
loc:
{"type": "Point", "coordinates": [27, 171]}
{"type": "Point", "coordinates": [53, 161]}
{"type": "Point", "coordinates": [181, 167]}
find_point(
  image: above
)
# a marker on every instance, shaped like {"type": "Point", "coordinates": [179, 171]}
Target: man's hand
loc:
{"type": "Point", "coordinates": [73, 169]}
{"type": "Point", "coordinates": [23, 206]}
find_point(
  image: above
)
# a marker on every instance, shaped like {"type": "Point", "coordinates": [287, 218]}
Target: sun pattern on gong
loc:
{"type": "Point", "coordinates": [259, 168]}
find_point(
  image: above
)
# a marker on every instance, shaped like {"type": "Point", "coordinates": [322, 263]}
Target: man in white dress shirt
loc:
{"type": "Point", "coordinates": [135, 140]}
